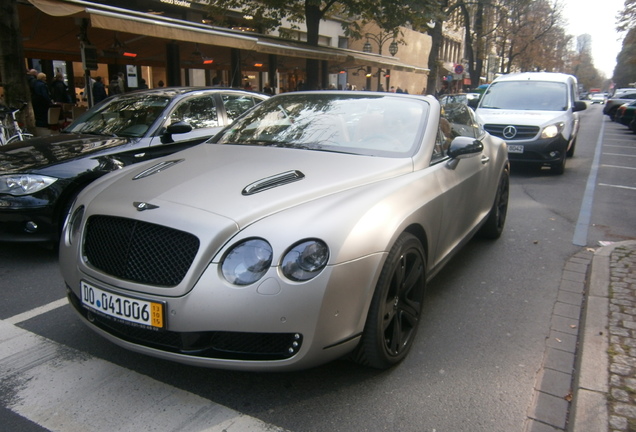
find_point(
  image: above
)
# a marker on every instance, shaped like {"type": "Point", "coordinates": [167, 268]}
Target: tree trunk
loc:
{"type": "Point", "coordinates": [313, 16]}
{"type": "Point", "coordinates": [433, 58]}
{"type": "Point", "coordinates": [12, 68]}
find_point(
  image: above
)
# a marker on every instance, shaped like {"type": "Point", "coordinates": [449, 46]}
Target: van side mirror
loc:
{"type": "Point", "coordinates": [579, 106]}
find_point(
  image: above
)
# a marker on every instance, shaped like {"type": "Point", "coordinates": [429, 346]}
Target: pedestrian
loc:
{"type": "Point", "coordinates": [142, 84]}
{"type": "Point", "coordinates": [121, 82]}
{"type": "Point", "coordinates": [59, 90]}
{"type": "Point", "coordinates": [268, 89]}
{"type": "Point", "coordinates": [160, 83]}
{"type": "Point", "coordinates": [113, 86]}
{"type": "Point", "coordinates": [32, 77]}
{"type": "Point", "coordinates": [41, 100]}
{"type": "Point", "coordinates": [99, 90]}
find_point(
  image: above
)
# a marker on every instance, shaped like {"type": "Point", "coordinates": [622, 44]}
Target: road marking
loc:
{"type": "Point", "coordinates": [37, 311]}
{"type": "Point", "coordinates": [585, 214]}
{"type": "Point", "coordinates": [618, 154]}
{"type": "Point", "coordinates": [63, 389]}
{"type": "Point", "coordinates": [617, 166]}
{"type": "Point", "coordinates": [617, 186]}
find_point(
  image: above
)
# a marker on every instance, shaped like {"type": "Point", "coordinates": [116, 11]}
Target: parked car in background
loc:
{"type": "Point", "coordinates": [625, 113]}
{"type": "Point", "coordinates": [537, 113]}
{"type": "Point", "coordinates": [612, 104]}
{"type": "Point", "coordinates": [599, 98]}
{"type": "Point", "coordinates": [304, 232]}
{"type": "Point", "coordinates": [453, 98]}
{"type": "Point", "coordinates": [40, 177]}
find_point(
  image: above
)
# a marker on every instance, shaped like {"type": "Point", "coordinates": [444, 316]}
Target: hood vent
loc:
{"type": "Point", "coordinates": [157, 168]}
{"type": "Point", "coordinates": [273, 181]}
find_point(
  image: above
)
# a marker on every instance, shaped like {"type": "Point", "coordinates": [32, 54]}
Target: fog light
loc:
{"type": "Point", "coordinates": [554, 154]}
{"type": "Point", "coordinates": [31, 227]}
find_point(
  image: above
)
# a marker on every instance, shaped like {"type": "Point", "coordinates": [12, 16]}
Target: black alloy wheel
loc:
{"type": "Point", "coordinates": [396, 306]}
{"type": "Point", "coordinates": [494, 225]}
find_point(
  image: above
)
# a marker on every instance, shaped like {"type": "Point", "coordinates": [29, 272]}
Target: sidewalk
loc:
{"type": "Point", "coordinates": [604, 394]}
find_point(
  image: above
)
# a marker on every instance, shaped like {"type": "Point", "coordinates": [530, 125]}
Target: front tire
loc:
{"type": "Point", "coordinates": [558, 168]}
{"type": "Point", "coordinates": [396, 306]}
{"type": "Point", "coordinates": [494, 225]}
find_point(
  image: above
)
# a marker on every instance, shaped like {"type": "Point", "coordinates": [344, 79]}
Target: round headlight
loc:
{"type": "Point", "coordinates": [305, 260]}
{"type": "Point", "coordinates": [247, 262]}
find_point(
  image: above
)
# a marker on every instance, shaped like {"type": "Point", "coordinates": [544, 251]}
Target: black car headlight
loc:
{"type": "Point", "coordinates": [24, 184]}
{"type": "Point", "coordinates": [305, 260]}
{"type": "Point", "coordinates": [247, 262]}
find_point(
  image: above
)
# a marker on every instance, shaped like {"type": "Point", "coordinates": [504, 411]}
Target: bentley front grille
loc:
{"type": "Point", "coordinates": [139, 251]}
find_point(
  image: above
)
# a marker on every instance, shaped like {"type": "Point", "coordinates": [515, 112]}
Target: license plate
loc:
{"type": "Point", "coordinates": [515, 149]}
{"type": "Point", "coordinates": [127, 309]}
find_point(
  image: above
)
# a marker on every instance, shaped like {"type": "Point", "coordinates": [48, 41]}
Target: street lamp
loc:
{"type": "Point", "coordinates": [380, 39]}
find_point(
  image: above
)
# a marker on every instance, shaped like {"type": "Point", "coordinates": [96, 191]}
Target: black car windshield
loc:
{"type": "Point", "coordinates": [345, 122]}
{"type": "Point", "coordinates": [128, 116]}
{"type": "Point", "coordinates": [526, 95]}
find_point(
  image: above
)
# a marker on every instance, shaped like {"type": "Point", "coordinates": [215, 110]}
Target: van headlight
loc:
{"type": "Point", "coordinates": [552, 130]}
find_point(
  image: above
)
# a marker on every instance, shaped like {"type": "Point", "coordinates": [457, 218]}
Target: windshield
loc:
{"type": "Point", "coordinates": [526, 95]}
{"type": "Point", "coordinates": [338, 122]}
{"type": "Point", "coordinates": [128, 116]}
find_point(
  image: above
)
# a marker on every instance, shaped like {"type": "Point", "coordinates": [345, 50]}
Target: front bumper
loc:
{"type": "Point", "coordinates": [254, 328]}
{"type": "Point", "coordinates": [540, 151]}
{"type": "Point", "coordinates": [28, 225]}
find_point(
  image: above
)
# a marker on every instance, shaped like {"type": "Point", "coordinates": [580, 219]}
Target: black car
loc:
{"type": "Point", "coordinates": [40, 177]}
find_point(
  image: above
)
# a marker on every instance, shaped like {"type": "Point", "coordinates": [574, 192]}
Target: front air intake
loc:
{"type": "Point", "coordinates": [273, 181]}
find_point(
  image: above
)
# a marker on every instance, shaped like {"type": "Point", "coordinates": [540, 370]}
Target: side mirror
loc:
{"type": "Point", "coordinates": [464, 147]}
{"type": "Point", "coordinates": [179, 127]}
{"type": "Point", "coordinates": [579, 106]}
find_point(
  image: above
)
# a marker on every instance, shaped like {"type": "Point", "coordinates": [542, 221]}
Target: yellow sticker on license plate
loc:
{"type": "Point", "coordinates": [124, 308]}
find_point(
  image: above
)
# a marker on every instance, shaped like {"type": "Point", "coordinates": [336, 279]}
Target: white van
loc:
{"type": "Point", "coordinates": [536, 114]}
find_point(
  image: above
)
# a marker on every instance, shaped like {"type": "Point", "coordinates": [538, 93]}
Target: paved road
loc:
{"type": "Point", "coordinates": [473, 368]}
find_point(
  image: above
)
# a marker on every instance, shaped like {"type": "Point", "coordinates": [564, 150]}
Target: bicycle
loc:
{"type": "Point", "coordinates": [10, 130]}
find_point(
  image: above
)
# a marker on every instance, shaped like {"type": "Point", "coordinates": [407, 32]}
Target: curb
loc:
{"type": "Point", "coordinates": [589, 411]}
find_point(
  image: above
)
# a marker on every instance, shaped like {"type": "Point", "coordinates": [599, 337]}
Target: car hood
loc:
{"type": "Point", "coordinates": [518, 117]}
{"type": "Point", "coordinates": [40, 152]}
{"type": "Point", "coordinates": [217, 179]}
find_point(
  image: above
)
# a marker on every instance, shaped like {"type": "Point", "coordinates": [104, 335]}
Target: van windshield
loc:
{"type": "Point", "coordinates": [526, 95]}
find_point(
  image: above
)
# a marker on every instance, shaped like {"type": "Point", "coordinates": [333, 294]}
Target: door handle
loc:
{"type": "Point", "coordinates": [485, 159]}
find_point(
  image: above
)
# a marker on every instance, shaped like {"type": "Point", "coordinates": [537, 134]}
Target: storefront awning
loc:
{"type": "Point", "coordinates": [290, 49]}
{"type": "Point", "coordinates": [124, 21]}
{"type": "Point", "coordinates": [359, 59]}
{"type": "Point", "coordinates": [172, 31]}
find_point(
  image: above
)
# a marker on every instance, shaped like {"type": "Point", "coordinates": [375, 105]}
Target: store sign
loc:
{"type": "Point", "coordinates": [184, 3]}
{"type": "Point", "coordinates": [181, 3]}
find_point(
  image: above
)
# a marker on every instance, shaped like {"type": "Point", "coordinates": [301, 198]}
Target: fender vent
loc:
{"type": "Point", "coordinates": [273, 181]}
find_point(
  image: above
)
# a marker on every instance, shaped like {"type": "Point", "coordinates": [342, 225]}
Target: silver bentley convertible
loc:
{"type": "Point", "coordinates": [304, 232]}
